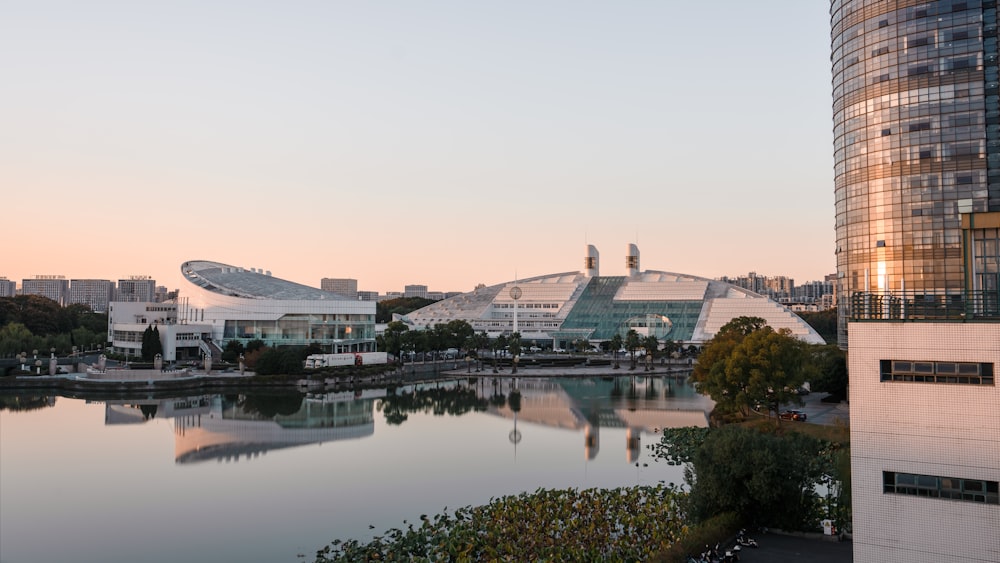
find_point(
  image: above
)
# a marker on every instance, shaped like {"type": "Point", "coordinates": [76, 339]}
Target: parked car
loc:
{"type": "Point", "coordinates": [793, 415]}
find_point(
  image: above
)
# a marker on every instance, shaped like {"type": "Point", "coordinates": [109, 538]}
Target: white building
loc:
{"type": "Point", "coordinates": [925, 441]}
{"type": "Point", "coordinates": [127, 321]}
{"type": "Point", "coordinates": [559, 309]}
{"type": "Point", "coordinates": [247, 304]}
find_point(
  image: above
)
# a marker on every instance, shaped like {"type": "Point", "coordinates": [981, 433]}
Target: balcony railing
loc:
{"type": "Point", "coordinates": [921, 306]}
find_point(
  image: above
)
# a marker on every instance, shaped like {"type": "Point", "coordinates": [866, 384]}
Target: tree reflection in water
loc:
{"type": "Point", "coordinates": [438, 401]}
{"type": "Point", "coordinates": [25, 402]}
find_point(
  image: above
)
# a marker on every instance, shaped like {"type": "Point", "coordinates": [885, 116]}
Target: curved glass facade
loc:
{"type": "Point", "coordinates": [915, 138]}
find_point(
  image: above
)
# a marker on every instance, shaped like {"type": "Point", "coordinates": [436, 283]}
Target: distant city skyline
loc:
{"type": "Point", "coordinates": [327, 285]}
{"type": "Point", "coordinates": [440, 143]}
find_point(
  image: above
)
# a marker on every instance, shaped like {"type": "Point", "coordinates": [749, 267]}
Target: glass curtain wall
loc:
{"type": "Point", "coordinates": [915, 133]}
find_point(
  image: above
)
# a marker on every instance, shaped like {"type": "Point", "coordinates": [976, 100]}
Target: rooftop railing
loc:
{"type": "Point", "coordinates": [922, 306]}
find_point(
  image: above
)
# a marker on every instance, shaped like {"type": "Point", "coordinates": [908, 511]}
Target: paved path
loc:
{"type": "Point", "coordinates": [777, 548]}
{"type": "Point", "coordinates": [819, 412]}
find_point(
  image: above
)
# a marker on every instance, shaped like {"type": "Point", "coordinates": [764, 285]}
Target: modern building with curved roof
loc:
{"type": "Point", "coordinates": [247, 304]}
{"type": "Point", "coordinates": [565, 307]}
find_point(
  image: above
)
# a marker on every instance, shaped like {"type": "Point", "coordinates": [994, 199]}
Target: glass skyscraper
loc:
{"type": "Point", "coordinates": [916, 140]}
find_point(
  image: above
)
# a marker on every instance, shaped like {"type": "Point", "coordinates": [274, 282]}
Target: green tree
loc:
{"type": "Point", "coordinates": [823, 322]}
{"type": "Point", "coordinates": [273, 361]}
{"type": "Point", "coordinates": [147, 344]}
{"type": "Point", "coordinates": [770, 364]}
{"type": "Point", "coordinates": [392, 338]}
{"type": "Point", "coordinates": [651, 345]}
{"type": "Point", "coordinates": [740, 371]}
{"type": "Point", "coordinates": [764, 478]}
{"type": "Point", "coordinates": [232, 351]}
{"type": "Point", "coordinates": [747, 363]}
{"type": "Point", "coordinates": [384, 310]}
{"type": "Point", "coordinates": [616, 344]}
{"type": "Point", "coordinates": [827, 369]}
{"type": "Point", "coordinates": [632, 343]}
{"type": "Point", "coordinates": [458, 332]}
{"type": "Point", "coordinates": [155, 343]}
{"type": "Point", "coordinates": [514, 343]}
{"type": "Point", "coordinates": [16, 338]}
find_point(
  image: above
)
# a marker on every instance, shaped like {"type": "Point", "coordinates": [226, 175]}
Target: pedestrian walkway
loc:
{"type": "Point", "coordinates": [779, 548]}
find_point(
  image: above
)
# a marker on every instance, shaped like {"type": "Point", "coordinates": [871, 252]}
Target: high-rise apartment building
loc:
{"type": "Point", "coordinates": [136, 289]}
{"type": "Point", "coordinates": [916, 136]}
{"type": "Point", "coordinates": [95, 294]}
{"type": "Point", "coordinates": [917, 167]}
{"type": "Point", "coordinates": [415, 290]}
{"type": "Point", "coordinates": [8, 288]}
{"type": "Point", "coordinates": [342, 286]}
{"type": "Point", "coordinates": [55, 287]}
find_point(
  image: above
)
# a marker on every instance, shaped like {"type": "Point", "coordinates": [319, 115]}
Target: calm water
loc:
{"type": "Point", "coordinates": [272, 478]}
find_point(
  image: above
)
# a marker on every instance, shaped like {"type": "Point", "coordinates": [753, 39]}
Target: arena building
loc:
{"type": "Point", "coordinates": [559, 309]}
{"type": "Point", "coordinates": [247, 304]}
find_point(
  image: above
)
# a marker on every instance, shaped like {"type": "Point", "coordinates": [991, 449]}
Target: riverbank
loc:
{"type": "Point", "coordinates": [409, 373]}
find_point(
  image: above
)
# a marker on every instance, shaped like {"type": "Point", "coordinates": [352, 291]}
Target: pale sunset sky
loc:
{"type": "Point", "coordinates": [443, 143]}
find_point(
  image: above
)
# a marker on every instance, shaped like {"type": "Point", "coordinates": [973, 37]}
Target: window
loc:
{"type": "Point", "coordinates": [967, 373]}
{"type": "Point", "coordinates": [931, 486]}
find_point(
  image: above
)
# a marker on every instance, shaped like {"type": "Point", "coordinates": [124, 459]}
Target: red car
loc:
{"type": "Point", "coordinates": [793, 415]}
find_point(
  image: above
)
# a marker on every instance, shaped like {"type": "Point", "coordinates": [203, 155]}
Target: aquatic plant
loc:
{"type": "Point", "coordinates": [621, 524]}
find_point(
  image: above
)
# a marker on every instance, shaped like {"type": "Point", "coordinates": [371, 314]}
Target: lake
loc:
{"type": "Point", "coordinates": [267, 476]}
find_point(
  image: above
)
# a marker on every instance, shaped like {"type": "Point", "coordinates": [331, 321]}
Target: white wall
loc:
{"type": "Point", "coordinates": [948, 430]}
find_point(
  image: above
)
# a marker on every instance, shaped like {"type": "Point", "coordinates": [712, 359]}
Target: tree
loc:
{"type": "Point", "coordinates": [515, 349]}
{"type": "Point", "coordinates": [232, 351]}
{"type": "Point", "coordinates": [765, 479]}
{"type": "Point", "coordinates": [392, 338]}
{"type": "Point", "coordinates": [458, 332]}
{"type": "Point", "coordinates": [748, 363]}
{"type": "Point", "coordinates": [147, 344]}
{"type": "Point", "coordinates": [155, 343]}
{"type": "Point", "coordinates": [827, 369]}
{"type": "Point", "coordinates": [16, 338]}
{"type": "Point", "coordinates": [616, 344]}
{"type": "Point", "coordinates": [273, 361]}
{"type": "Point", "coordinates": [384, 310]}
{"type": "Point", "coordinates": [632, 343]}
{"type": "Point", "coordinates": [823, 322]}
{"type": "Point", "coordinates": [743, 325]}
{"type": "Point", "coordinates": [768, 365]}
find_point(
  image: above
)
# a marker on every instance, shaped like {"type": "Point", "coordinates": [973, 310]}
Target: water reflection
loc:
{"type": "Point", "coordinates": [234, 426]}
{"type": "Point", "coordinates": [25, 402]}
{"type": "Point", "coordinates": [311, 467]}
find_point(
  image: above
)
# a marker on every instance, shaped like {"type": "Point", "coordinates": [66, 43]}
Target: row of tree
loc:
{"type": "Point", "coordinates": [32, 322]}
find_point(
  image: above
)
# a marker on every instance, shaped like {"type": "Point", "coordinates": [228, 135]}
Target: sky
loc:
{"type": "Point", "coordinates": [441, 143]}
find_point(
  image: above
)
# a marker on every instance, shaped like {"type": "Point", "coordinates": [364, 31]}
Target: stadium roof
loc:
{"type": "Point", "coordinates": [250, 283]}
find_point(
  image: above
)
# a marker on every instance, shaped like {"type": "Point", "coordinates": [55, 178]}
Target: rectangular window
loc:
{"type": "Point", "coordinates": [932, 486]}
{"type": "Point", "coordinates": [965, 373]}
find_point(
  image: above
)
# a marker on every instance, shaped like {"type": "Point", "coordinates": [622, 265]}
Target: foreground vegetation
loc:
{"type": "Point", "coordinates": [622, 524]}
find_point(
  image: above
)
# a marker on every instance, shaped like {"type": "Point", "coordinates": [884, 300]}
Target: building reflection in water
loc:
{"type": "Point", "coordinates": [636, 403]}
{"type": "Point", "coordinates": [226, 428]}
{"type": "Point", "coordinates": [230, 427]}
